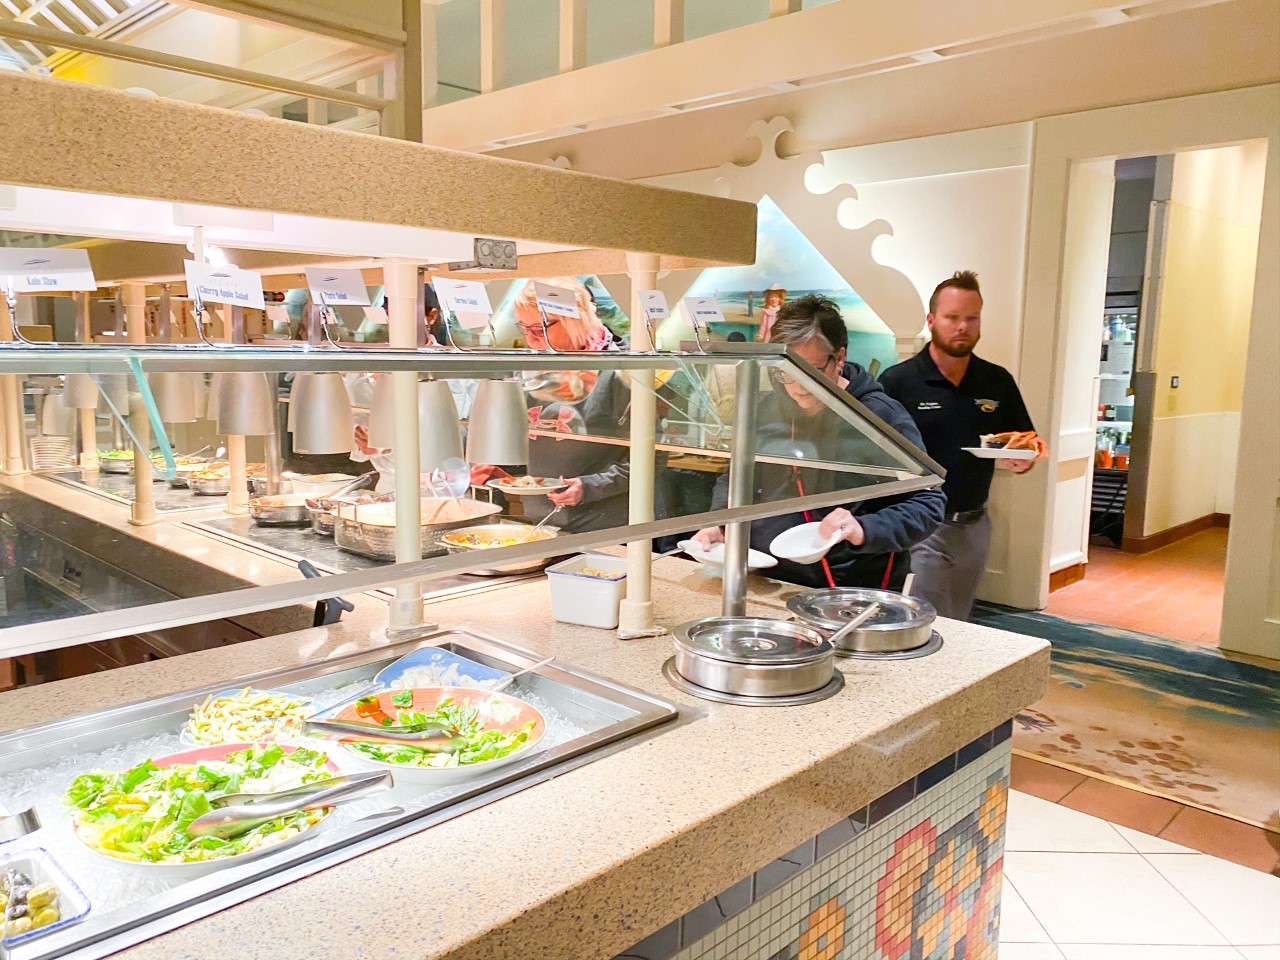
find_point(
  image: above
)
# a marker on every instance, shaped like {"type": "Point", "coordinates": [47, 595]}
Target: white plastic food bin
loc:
{"type": "Point", "coordinates": [588, 601]}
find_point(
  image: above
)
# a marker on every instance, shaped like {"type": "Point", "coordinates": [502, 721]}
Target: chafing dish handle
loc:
{"type": "Point", "coordinates": [327, 611]}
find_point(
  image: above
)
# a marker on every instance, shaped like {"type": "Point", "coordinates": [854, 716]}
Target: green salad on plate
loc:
{"type": "Point", "coordinates": [142, 814]}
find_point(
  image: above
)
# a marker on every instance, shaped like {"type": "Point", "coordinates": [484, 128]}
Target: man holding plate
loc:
{"type": "Point", "coordinates": [962, 404]}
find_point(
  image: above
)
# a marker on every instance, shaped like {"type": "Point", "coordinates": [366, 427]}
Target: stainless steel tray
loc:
{"type": "Point", "coordinates": [594, 716]}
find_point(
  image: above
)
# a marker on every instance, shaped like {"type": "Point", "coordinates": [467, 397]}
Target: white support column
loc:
{"type": "Point", "coordinates": [636, 617]}
{"type": "Point", "coordinates": [668, 22]}
{"type": "Point", "coordinates": [780, 8]}
{"type": "Point", "coordinates": [144, 506]}
{"type": "Point", "coordinates": [15, 433]}
{"type": "Point", "coordinates": [401, 279]}
{"type": "Point", "coordinates": [493, 45]}
{"type": "Point", "coordinates": [88, 418]}
{"type": "Point", "coordinates": [318, 112]}
{"type": "Point", "coordinates": [573, 35]}
{"type": "Point", "coordinates": [430, 56]}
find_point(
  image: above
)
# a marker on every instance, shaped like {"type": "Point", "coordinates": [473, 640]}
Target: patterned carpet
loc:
{"type": "Point", "coordinates": [1176, 719]}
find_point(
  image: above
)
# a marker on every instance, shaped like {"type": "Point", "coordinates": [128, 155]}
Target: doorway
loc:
{"type": "Point", "coordinates": [1170, 338]}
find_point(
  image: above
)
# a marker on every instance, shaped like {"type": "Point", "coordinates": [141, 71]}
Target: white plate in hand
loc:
{"type": "Point", "coordinates": [1000, 453]}
{"type": "Point", "coordinates": [803, 544]}
{"type": "Point", "coordinates": [713, 558]}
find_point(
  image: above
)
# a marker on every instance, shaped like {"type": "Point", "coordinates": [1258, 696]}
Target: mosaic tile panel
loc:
{"type": "Point", "coordinates": [915, 875]}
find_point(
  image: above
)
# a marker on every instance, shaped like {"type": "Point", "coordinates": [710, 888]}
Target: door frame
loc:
{"type": "Point", "coordinates": [1251, 623]}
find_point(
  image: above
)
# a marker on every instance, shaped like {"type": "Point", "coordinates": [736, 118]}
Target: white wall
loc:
{"type": "Point", "coordinates": [1201, 326]}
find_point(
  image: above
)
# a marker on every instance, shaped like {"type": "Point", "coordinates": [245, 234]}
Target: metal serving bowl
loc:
{"type": "Point", "coordinates": [115, 465]}
{"type": "Point", "coordinates": [210, 487]}
{"type": "Point", "coordinates": [486, 534]}
{"type": "Point", "coordinates": [753, 656]}
{"type": "Point", "coordinates": [282, 510]}
{"type": "Point", "coordinates": [902, 623]}
{"type": "Point", "coordinates": [369, 529]}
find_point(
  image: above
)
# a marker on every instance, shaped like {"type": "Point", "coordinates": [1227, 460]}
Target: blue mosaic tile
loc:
{"type": "Point", "coordinates": [976, 748]}
{"type": "Point", "coordinates": [771, 877]}
{"type": "Point", "coordinates": [936, 774]}
{"type": "Point", "coordinates": [705, 917]}
{"type": "Point", "coordinates": [656, 946]}
{"type": "Point", "coordinates": [881, 807]}
{"type": "Point", "coordinates": [841, 832]}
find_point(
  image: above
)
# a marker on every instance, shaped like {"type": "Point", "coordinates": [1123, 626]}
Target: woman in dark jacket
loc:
{"type": "Point", "coordinates": [876, 534]}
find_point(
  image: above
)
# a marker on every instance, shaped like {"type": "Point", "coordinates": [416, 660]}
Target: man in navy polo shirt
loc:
{"type": "Point", "coordinates": [954, 398]}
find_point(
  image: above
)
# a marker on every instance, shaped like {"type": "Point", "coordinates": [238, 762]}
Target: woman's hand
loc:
{"type": "Point", "coordinates": [846, 523]}
{"type": "Point", "coordinates": [570, 496]}
{"type": "Point", "coordinates": [708, 537]}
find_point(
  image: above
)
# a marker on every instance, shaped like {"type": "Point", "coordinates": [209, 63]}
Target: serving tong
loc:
{"type": "Point", "coordinates": [428, 736]}
{"type": "Point", "coordinates": [238, 813]}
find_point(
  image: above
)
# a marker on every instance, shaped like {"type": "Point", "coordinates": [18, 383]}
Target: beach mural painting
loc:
{"type": "Point", "coordinates": [787, 267]}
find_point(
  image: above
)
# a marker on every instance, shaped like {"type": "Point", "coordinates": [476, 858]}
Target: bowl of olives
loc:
{"type": "Point", "coordinates": [36, 897]}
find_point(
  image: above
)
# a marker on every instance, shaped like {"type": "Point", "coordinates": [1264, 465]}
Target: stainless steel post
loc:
{"type": "Point", "coordinates": [742, 473]}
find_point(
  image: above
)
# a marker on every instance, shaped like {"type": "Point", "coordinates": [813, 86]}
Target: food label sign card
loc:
{"type": "Point", "coordinates": [467, 300]}
{"type": "Point", "coordinates": [655, 304]}
{"type": "Point", "coordinates": [36, 269]}
{"type": "Point", "coordinates": [555, 301]}
{"type": "Point", "coordinates": [336, 288]}
{"type": "Point", "coordinates": [240, 288]}
{"type": "Point", "coordinates": [703, 310]}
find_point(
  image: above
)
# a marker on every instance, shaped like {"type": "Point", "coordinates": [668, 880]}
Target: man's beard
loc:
{"type": "Point", "coordinates": [958, 351]}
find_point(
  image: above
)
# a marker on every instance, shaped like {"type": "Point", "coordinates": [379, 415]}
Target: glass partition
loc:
{"type": "Point", "coordinates": [546, 437]}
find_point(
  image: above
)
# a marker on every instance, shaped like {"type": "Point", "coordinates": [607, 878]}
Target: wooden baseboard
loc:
{"type": "Point", "coordinates": [1183, 530]}
{"type": "Point", "coordinates": [1066, 576]}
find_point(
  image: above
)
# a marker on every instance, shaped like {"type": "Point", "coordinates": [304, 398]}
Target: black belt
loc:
{"type": "Point", "coordinates": [966, 516]}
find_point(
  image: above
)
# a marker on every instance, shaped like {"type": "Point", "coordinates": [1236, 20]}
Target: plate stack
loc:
{"type": "Point", "coordinates": [752, 661]}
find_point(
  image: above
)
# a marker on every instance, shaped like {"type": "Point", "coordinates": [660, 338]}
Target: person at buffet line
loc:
{"type": "Point", "coordinates": [360, 390]}
{"type": "Point", "coordinates": [955, 397]}
{"type": "Point", "coordinates": [875, 534]}
{"type": "Point", "coordinates": [598, 476]}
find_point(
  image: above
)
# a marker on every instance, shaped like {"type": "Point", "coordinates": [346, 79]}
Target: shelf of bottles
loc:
{"type": "Point", "coordinates": [1115, 388]}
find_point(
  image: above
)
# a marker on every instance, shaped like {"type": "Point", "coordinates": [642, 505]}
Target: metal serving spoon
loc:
{"type": "Point", "coordinates": [236, 819]}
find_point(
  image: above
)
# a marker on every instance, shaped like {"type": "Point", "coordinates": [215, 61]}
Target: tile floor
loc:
{"type": "Point", "coordinates": [1173, 592]}
{"type": "Point", "coordinates": [1080, 888]}
{"type": "Point", "coordinates": [1158, 817]}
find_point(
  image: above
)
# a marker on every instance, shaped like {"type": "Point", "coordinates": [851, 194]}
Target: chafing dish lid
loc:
{"type": "Point", "coordinates": [752, 640]}
{"type": "Point", "coordinates": [832, 608]}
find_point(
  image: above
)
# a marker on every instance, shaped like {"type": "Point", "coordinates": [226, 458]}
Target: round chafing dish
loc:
{"type": "Point", "coordinates": [283, 510]}
{"type": "Point", "coordinates": [486, 534]}
{"type": "Point", "coordinates": [753, 656]}
{"type": "Point", "coordinates": [370, 529]}
{"type": "Point", "coordinates": [115, 465]}
{"type": "Point", "coordinates": [210, 486]}
{"type": "Point", "coordinates": [902, 623]}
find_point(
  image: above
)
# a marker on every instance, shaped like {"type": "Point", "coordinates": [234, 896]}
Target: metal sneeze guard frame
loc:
{"type": "Point", "coordinates": [59, 359]}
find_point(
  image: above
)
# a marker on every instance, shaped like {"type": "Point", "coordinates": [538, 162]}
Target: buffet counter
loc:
{"type": "Point", "coordinates": [772, 818]}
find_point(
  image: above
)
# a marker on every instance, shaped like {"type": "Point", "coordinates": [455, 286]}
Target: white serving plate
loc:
{"type": "Point", "coordinates": [1000, 453]}
{"type": "Point", "coordinates": [541, 490]}
{"type": "Point", "coordinates": [802, 544]}
{"type": "Point", "coordinates": [713, 558]}
{"type": "Point", "coordinates": [177, 870]}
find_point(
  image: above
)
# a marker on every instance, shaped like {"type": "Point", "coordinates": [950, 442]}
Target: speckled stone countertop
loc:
{"type": "Point", "coordinates": [588, 863]}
